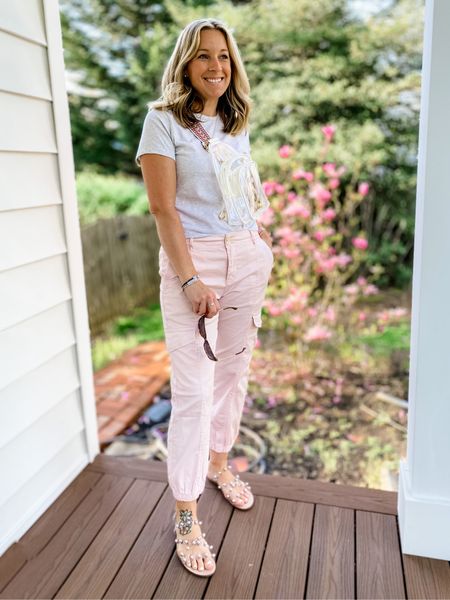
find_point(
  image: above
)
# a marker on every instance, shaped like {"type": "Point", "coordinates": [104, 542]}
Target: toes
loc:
{"type": "Point", "coordinates": [207, 562]}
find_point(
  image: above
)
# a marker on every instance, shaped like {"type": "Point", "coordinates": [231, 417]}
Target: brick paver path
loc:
{"type": "Point", "coordinates": [126, 387]}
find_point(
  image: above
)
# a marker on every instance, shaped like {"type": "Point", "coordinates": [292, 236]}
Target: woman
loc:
{"type": "Point", "coordinates": [215, 263]}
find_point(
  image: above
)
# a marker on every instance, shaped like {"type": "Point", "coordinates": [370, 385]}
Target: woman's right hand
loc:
{"type": "Point", "coordinates": [202, 298]}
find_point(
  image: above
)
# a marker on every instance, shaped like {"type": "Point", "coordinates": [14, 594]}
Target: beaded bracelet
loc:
{"type": "Point", "coordinates": [190, 281]}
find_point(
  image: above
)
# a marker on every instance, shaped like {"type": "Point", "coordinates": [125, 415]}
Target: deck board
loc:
{"type": "Point", "coordinates": [147, 560]}
{"type": "Point", "coordinates": [241, 552]}
{"type": "Point", "coordinates": [92, 575]}
{"type": "Point", "coordinates": [426, 577]}
{"type": "Point", "coordinates": [284, 568]}
{"type": "Point", "coordinates": [179, 583]}
{"type": "Point", "coordinates": [378, 563]}
{"type": "Point", "coordinates": [331, 572]}
{"type": "Point", "coordinates": [110, 535]}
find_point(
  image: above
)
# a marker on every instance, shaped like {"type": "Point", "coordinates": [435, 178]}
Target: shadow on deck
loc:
{"type": "Point", "coordinates": [110, 535]}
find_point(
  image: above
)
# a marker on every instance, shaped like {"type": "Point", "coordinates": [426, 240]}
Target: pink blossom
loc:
{"type": "Point", "coordinates": [325, 265]}
{"type": "Point", "coordinates": [321, 194]}
{"type": "Point", "coordinates": [334, 183]}
{"type": "Point", "coordinates": [351, 289]}
{"type": "Point", "coordinates": [296, 319]}
{"type": "Point", "coordinates": [312, 312]}
{"type": "Point", "coordinates": [273, 310]}
{"type": "Point", "coordinates": [301, 174]}
{"type": "Point", "coordinates": [291, 252]}
{"type": "Point", "coordinates": [328, 131]}
{"type": "Point", "coordinates": [370, 290]}
{"type": "Point", "coordinates": [269, 187]}
{"type": "Point", "coordinates": [330, 314]}
{"type": "Point", "coordinates": [343, 259]}
{"type": "Point", "coordinates": [288, 304]}
{"type": "Point", "coordinates": [328, 214]}
{"type": "Point", "coordinates": [363, 188]}
{"type": "Point", "coordinates": [300, 295]}
{"type": "Point", "coordinates": [330, 170]}
{"type": "Point", "coordinates": [361, 281]}
{"type": "Point", "coordinates": [288, 236]}
{"type": "Point", "coordinates": [257, 343]}
{"type": "Point", "coordinates": [279, 188]}
{"type": "Point", "coordinates": [285, 151]}
{"type": "Point", "coordinates": [283, 232]}
{"type": "Point", "coordinates": [297, 209]}
{"type": "Point", "coordinates": [292, 196]}
{"type": "Point", "coordinates": [321, 234]}
{"type": "Point", "coordinates": [267, 217]}
{"type": "Point", "coordinates": [398, 313]}
{"type": "Point", "coordinates": [362, 316]}
{"type": "Point", "coordinates": [317, 333]}
{"type": "Point", "coordinates": [360, 243]}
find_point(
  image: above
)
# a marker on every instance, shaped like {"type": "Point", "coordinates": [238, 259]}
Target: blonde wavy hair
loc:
{"type": "Point", "coordinates": [180, 97]}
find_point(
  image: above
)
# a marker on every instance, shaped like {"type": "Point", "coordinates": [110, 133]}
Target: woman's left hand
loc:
{"type": "Point", "coordinates": [265, 235]}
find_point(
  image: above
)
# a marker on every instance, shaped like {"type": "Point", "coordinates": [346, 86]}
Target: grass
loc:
{"type": "Point", "coordinates": [383, 343]}
{"type": "Point", "coordinates": [125, 332]}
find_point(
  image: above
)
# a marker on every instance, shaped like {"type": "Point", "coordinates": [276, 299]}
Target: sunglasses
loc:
{"type": "Point", "coordinates": [202, 331]}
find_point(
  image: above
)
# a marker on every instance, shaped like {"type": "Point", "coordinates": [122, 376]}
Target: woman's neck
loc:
{"type": "Point", "coordinates": [209, 108]}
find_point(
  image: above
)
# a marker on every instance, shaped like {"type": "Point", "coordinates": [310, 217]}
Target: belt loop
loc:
{"type": "Point", "coordinates": [253, 236]}
{"type": "Point", "coordinates": [190, 243]}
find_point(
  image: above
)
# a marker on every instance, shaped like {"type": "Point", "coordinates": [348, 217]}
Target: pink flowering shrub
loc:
{"type": "Point", "coordinates": [318, 247]}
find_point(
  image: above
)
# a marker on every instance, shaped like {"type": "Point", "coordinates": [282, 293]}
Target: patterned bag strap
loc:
{"type": "Point", "coordinates": [200, 132]}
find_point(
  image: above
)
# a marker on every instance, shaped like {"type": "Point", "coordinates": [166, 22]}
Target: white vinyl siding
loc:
{"type": "Point", "coordinates": [47, 407]}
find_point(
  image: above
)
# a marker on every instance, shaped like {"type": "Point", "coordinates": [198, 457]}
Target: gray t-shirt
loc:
{"type": "Point", "coordinates": [198, 197]}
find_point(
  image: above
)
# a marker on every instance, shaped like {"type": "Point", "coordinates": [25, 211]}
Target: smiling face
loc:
{"type": "Point", "coordinates": [210, 69]}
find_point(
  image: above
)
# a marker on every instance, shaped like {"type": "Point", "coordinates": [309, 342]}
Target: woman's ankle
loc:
{"type": "Point", "coordinates": [218, 460]}
{"type": "Point", "coordinates": [187, 507]}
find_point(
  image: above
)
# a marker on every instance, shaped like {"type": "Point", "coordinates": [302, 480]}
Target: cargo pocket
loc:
{"type": "Point", "coordinates": [257, 321]}
{"type": "Point", "coordinates": [254, 327]}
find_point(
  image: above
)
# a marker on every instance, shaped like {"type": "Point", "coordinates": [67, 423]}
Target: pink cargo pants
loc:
{"type": "Point", "coordinates": [208, 396]}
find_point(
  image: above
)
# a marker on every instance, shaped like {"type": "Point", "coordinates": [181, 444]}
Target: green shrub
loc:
{"type": "Point", "coordinates": [105, 196]}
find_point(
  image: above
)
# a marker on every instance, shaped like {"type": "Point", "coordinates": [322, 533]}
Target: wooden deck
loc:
{"type": "Point", "coordinates": [110, 535]}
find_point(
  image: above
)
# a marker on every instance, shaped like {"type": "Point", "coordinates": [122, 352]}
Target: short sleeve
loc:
{"type": "Point", "coordinates": [246, 145]}
{"type": "Point", "coordinates": [156, 137]}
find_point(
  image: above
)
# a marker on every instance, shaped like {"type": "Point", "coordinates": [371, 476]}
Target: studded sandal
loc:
{"type": "Point", "coordinates": [227, 489]}
{"type": "Point", "coordinates": [184, 526]}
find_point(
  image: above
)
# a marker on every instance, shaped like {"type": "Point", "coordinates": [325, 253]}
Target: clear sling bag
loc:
{"type": "Point", "coordinates": [237, 175]}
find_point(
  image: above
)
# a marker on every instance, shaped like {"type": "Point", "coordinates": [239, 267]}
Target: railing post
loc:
{"type": "Point", "coordinates": [424, 486]}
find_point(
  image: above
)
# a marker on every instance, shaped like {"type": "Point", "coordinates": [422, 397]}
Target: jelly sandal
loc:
{"type": "Point", "coordinates": [227, 489]}
{"type": "Point", "coordinates": [198, 542]}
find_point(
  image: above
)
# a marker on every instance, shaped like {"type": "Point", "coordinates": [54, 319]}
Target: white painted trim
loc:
{"type": "Point", "coordinates": [424, 483]}
{"type": "Point", "coordinates": [37, 507]}
{"type": "Point", "coordinates": [71, 221]}
{"type": "Point", "coordinates": [424, 523]}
